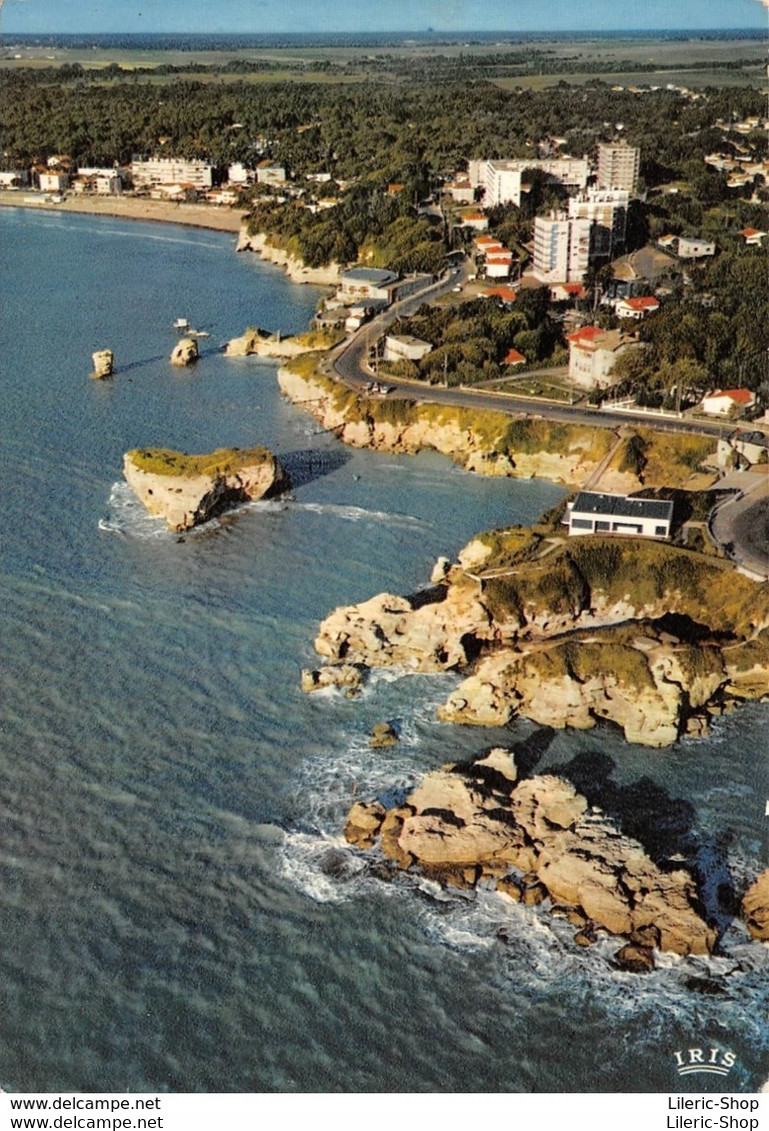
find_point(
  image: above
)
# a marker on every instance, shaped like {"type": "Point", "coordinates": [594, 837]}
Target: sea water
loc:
{"type": "Point", "coordinates": [180, 911]}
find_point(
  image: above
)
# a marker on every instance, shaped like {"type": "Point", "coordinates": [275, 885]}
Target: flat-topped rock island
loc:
{"type": "Point", "coordinates": [187, 490]}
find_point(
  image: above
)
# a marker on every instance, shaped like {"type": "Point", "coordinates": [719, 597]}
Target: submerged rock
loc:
{"type": "Point", "coordinates": [474, 820]}
{"type": "Point", "coordinates": [187, 490]}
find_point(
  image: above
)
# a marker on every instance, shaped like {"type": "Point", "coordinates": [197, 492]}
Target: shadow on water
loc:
{"type": "Point", "coordinates": [312, 463]}
{"type": "Point", "coordinates": [664, 826]}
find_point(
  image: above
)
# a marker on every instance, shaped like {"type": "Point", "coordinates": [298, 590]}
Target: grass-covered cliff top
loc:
{"type": "Point", "coordinates": [656, 459]}
{"type": "Point", "coordinates": [224, 461]}
{"type": "Point", "coordinates": [588, 572]}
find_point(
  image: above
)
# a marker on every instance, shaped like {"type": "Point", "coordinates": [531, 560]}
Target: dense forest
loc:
{"type": "Point", "coordinates": [366, 135]}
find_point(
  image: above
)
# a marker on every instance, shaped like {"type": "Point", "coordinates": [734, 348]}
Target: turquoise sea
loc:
{"type": "Point", "coordinates": [179, 911]}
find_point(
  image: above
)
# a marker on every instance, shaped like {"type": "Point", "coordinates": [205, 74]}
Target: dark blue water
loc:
{"type": "Point", "coordinates": [179, 911]}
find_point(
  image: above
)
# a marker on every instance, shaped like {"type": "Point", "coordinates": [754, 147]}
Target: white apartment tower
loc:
{"type": "Point", "coordinates": [618, 167]}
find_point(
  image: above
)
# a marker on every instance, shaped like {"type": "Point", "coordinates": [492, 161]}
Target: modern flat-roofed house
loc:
{"type": "Point", "coordinates": [595, 513]}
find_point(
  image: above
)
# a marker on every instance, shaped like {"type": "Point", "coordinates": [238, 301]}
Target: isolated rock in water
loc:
{"type": "Point", "coordinates": [333, 675]}
{"type": "Point", "coordinates": [755, 907]}
{"type": "Point", "coordinates": [185, 352]}
{"type": "Point", "coordinates": [538, 838]}
{"type": "Point", "coordinates": [186, 490]}
{"type": "Point", "coordinates": [383, 734]}
{"type": "Point", "coordinates": [103, 363]}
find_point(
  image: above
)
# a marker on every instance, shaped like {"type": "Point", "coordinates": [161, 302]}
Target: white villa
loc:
{"type": "Point", "coordinates": [594, 513]}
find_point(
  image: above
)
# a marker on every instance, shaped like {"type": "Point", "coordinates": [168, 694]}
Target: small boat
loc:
{"type": "Point", "coordinates": [181, 324]}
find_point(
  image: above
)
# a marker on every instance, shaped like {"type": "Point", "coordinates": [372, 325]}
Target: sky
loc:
{"type": "Point", "coordinates": [260, 16]}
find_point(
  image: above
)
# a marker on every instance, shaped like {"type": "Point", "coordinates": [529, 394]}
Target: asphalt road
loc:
{"type": "Point", "coordinates": [743, 525]}
{"type": "Point", "coordinates": [349, 363]}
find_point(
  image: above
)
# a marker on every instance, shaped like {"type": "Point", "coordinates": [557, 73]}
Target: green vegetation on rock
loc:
{"type": "Point", "coordinates": [224, 461]}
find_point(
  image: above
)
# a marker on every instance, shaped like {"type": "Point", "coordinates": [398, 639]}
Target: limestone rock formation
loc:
{"type": "Point", "coordinates": [185, 352]}
{"type": "Point", "coordinates": [261, 343]}
{"type": "Point", "coordinates": [296, 269]}
{"type": "Point", "coordinates": [755, 907]}
{"type": "Point", "coordinates": [538, 838]}
{"type": "Point", "coordinates": [433, 631]}
{"type": "Point", "coordinates": [188, 490]}
{"type": "Point", "coordinates": [345, 676]}
{"type": "Point", "coordinates": [103, 363]}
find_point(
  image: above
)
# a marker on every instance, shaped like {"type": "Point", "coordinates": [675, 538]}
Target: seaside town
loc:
{"type": "Point", "coordinates": [564, 285]}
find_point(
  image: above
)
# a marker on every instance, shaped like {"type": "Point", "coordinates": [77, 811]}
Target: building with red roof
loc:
{"type": "Point", "coordinates": [728, 402]}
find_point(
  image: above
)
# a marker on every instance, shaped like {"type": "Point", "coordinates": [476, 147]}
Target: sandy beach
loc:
{"type": "Point", "coordinates": [221, 218]}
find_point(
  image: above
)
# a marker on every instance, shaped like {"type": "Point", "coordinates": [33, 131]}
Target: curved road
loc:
{"type": "Point", "coordinates": [742, 523]}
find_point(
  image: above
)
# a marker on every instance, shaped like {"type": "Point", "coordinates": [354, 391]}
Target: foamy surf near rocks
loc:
{"type": "Point", "coordinates": [187, 490]}
{"type": "Point", "coordinates": [537, 838]}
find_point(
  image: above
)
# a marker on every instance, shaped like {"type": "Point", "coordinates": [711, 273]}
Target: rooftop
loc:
{"type": "Point", "coordinates": [373, 275]}
{"type": "Point", "coordinates": [622, 506]}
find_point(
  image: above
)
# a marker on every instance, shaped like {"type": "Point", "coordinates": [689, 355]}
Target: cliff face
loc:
{"type": "Point", "coordinates": [188, 490]}
{"type": "Point", "coordinates": [569, 638]}
{"type": "Point", "coordinates": [475, 440]}
{"type": "Point", "coordinates": [536, 838]}
{"type": "Point", "coordinates": [296, 269]}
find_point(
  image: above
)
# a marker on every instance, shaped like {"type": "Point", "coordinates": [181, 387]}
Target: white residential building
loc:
{"type": "Point", "coordinates": [502, 180]}
{"type": "Point", "coordinates": [405, 347]}
{"type": "Point", "coordinates": [595, 513]}
{"type": "Point", "coordinates": [618, 166]}
{"type": "Point", "coordinates": [592, 354]}
{"type": "Point", "coordinates": [172, 170]}
{"type": "Point", "coordinates": [607, 211]}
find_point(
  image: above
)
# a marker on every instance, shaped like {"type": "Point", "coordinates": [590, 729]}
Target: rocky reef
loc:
{"type": "Point", "coordinates": [187, 490]}
{"type": "Point", "coordinates": [534, 839]}
{"type": "Point", "coordinates": [569, 632]}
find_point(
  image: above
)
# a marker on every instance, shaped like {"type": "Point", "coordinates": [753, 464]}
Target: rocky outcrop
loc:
{"type": "Point", "coordinates": [296, 269]}
{"type": "Point", "coordinates": [538, 838]}
{"type": "Point", "coordinates": [261, 343]}
{"type": "Point", "coordinates": [188, 490]}
{"type": "Point", "coordinates": [185, 352]}
{"type": "Point", "coordinates": [345, 676]}
{"type": "Point", "coordinates": [643, 686]}
{"type": "Point", "coordinates": [103, 363]}
{"type": "Point", "coordinates": [569, 636]}
{"type": "Point", "coordinates": [755, 907]}
{"type": "Point", "coordinates": [433, 631]}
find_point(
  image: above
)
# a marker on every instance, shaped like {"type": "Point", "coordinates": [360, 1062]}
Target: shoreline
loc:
{"type": "Point", "coordinates": [214, 217]}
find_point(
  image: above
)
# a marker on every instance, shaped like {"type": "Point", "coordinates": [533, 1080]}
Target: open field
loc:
{"type": "Point", "coordinates": [537, 63]}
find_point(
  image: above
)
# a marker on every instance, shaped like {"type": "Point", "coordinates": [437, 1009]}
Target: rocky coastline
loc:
{"type": "Point", "coordinates": [569, 639]}
{"type": "Point", "coordinates": [296, 269]}
{"type": "Point", "coordinates": [535, 839]}
{"type": "Point", "coordinates": [472, 439]}
{"type": "Point", "coordinates": [189, 490]}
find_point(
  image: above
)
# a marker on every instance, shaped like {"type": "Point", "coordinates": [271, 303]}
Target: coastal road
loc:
{"type": "Point", "coordinates": [742, 524]}
{"type": "Point", "coordinates": [349, 363]}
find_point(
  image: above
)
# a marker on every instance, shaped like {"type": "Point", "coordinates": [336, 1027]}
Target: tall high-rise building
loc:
{"type": "Point", "coordinates": [618, 166]}
{"type": "Point", "coordinates": [566, 244]}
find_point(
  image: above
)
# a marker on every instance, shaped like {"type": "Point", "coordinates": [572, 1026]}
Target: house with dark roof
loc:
{"type": "Point", "coordinates": [596, 513]}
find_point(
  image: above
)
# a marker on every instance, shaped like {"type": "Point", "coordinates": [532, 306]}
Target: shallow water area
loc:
{"type": "Point", "coordinates": [180, 910]}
